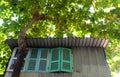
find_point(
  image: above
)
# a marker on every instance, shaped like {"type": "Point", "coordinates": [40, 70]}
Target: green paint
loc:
{"type": "Point", "coordinates": [63, 64]}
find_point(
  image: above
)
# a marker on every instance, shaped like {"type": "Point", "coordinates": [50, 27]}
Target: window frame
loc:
{"type": "Point", "coordinates": [38, 59]}
{"type": "Point", "coordinates": [12, 58]}
{"type": "Point", "coordinates": [61, 61]}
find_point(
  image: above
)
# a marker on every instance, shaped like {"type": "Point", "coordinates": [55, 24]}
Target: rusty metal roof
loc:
{"type": "Point", "coordinates": [60, 42]}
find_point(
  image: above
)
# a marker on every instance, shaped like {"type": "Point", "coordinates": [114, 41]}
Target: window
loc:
{"type": "Point", "coordinates": [13, 60]}
{"type": "Point", "coordinates": [49, 60]}
{"type": "Point", "coordinates": [45, 60]}
{"type": "Point", "coordinates": [37, 60]}
{"type": "Point", "coordinates": [60, 60]}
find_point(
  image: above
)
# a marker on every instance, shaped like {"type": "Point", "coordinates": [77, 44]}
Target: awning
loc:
{"type": "Point", "coordinates": [60, 42]}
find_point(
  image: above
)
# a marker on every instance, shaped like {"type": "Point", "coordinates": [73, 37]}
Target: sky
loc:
{"type": "Point", "coordinates": [1, 22]}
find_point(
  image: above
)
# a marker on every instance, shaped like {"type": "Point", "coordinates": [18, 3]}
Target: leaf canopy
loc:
{"type": "Point", "coordinates": [70, 18]}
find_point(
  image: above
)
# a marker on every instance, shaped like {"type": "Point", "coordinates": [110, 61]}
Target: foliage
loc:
{"type": "Point", "coordinates": [72, 18]}
{"type": "Point", "coordinates": [113, 56]}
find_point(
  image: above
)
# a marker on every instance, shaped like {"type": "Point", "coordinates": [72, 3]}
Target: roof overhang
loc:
{"type": "Point", "coordinates": [60, 42]}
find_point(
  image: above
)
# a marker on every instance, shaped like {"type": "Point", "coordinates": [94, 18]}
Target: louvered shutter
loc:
{"type": "Point", "coordinates": [66, 60]}
{"type": "Point", "coordinates": [32, 59]}
{"type": "Point", "coordinates": [54, 60]}
{"type": "Point", "coordinates": [43, 60]}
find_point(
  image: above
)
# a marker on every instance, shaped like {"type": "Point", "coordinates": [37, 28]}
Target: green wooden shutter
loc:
{"type": "Point", "coordinates": [66, 60]}
{"type": "Point", "coordinates": [43, 59]}
{"type": "Point", "coordinates": [32, 58]}
{"type": "Point", "coordinates": [54, 60]}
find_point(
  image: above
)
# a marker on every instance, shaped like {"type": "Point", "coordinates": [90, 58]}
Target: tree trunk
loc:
{"type": "Point", "coordinates": [22, 48]}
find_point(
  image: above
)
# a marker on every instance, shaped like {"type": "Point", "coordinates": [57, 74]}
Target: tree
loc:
{"type": "Point", "coordinates": [72, 18]}
{"type": "Point", "coordinates": [22, 42]}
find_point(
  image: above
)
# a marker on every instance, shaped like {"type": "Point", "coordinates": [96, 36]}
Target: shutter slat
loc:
{"type": "Point", "coordinates": [44, 53]}
{"type": "Point", "coordinates": [42, 65]}
{"type": "Point", "coordinates": [31, 65]}
{"type": "Point", "coordinates": [34, 53]}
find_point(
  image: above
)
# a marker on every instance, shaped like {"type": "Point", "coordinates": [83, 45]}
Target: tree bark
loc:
{"type": "Point", "coordinates": [22, 48]}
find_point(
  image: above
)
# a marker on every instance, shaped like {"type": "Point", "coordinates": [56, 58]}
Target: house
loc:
{"type": "Point", "coordinates": [62, 57]}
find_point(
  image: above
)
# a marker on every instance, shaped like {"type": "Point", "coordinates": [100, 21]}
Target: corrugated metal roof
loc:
{"type": "Point", "coordinates": [60, 42]}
